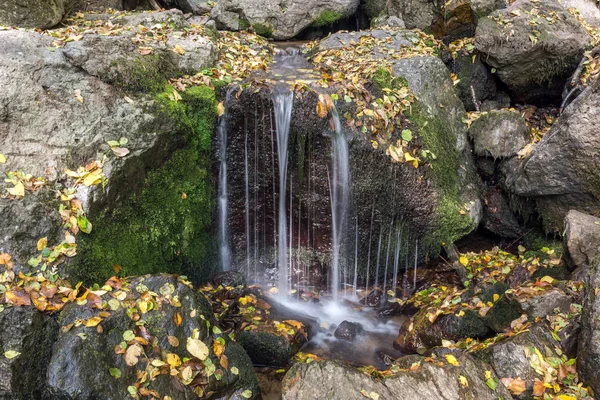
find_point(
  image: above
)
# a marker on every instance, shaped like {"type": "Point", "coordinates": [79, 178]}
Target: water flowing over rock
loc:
{"type": "Point", "coordinates": [34, 13]}
{"type": "Point", "coordinates": [428, 380]}
{"type": "Point", "coordinates": [534, 62]}
{"type": "Point", "coordinates": [270, 19]}
{"type": "Point", "coordinates": [562, 171]}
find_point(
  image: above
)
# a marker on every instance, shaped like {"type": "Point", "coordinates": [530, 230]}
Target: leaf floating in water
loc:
{"type": "Point", "coordinates": [220, 109]}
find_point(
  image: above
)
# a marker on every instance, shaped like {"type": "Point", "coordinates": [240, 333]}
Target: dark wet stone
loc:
{"type": "Point", "coordinates": [348, 330]}
{"type": "Point", "coordinates": [228, 278]}
{"type": "Point", "coordinates": [31, 333]}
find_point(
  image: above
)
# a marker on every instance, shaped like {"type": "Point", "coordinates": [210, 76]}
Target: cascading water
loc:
{"type": "Point", "coordinates": [340, 197]}
{"type": "Point", "coordinates": [283, 101]}
{"type": "Point", "coordinates": [224, 246]}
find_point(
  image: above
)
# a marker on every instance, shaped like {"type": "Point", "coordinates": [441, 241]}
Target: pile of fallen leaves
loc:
{"type": "Point", "coordinates": [557, 374]}
{"type": "Point", "coordinates": [247, 309]}
{"type": "Point", "coordinates": [241, 55]}
{"type": "Point", "coordinates": [349, 72]}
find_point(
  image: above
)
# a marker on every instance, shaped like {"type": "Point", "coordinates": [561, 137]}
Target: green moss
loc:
{"type": "Point", "coordinates": [160, 229]}
{"type": "Point", "coordinates": [437, 138]}
{"type": "Point", "coordinates": [263, 30]}
{"type": "Point", "coordinates": [146, 74]}
{"type": "Point", "coordinates": [504, 311]}
{"type": "Point", "coordinates": [243, 24]}
{"type": "Point", "coordinates": [326, 18]}
{"type": "Point", "coordinates": [383, 79]}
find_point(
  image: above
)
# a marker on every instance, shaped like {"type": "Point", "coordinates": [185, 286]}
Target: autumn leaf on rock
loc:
{"type": "Point", "coordinates": [452, 360]}
{"type": "Point", "coordinates": [132, 354]}
{"type": "Point", "coordinates": [2, 159]}
{"type": "Point", "coordinates": [516, 386]}
{"type": "Point", "coordinates": [197, 348]}
{"type": "Point", "coordinates": [179, 50]}
{"type": "Point", "coordinates": [42, 243]}
{"type": "Point", "coordinates": [77, 94]}
{"type": "Point", "coordinates": [11, 354]}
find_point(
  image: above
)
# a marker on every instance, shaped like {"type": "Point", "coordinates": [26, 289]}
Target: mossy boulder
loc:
{"type": "Point", "coordinates": [152, 324]}
{"type": "Point", "coordinates": [168, 225]}
{"type": "Point", "coordinates": [34, 13]}
{"type": "Point", "coordinates": [419, 333]}
{"type": "Point", "coordinates": [268, 18]}
{"type": "Point", "coordinates": [452, 172]}
{"type": "Point", "coordinates": [30, 334]}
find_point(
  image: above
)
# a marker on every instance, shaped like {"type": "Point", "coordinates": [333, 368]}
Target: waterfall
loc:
{"type": "Point", "coordinates": [416, 261]}
{"type": "Point", "coordinates": [224, 247]}
{"type": "Point", "coordinates": [397, 259]}
{"type": "Point", "coordinates": [283, 100]}
{"type": "Point", "coordinates": [339, 186]}
{"type": "Point", "coordinates": [355, 280]}
{"type": "Point", "coordinates": [247, 202]}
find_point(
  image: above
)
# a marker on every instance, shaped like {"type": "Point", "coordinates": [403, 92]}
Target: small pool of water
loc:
{"type": "Point", "coordinates": [373, 346]}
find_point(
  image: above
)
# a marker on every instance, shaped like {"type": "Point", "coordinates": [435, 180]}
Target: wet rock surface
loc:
{"type": "Point", "coordinates": [29, 335]}
{"type": "Point", "coordinates": [588, 362]}
{"type": "Point", "coordinates": [348, 330]}
{"type": "Point", "coordinates": [499, 134]}
{"type": "Point", "coordinates": [512, 358]}
{"type": "Point", "coordinates": [582, 238]}
{"type": "Point", "coordinates": [429, 380]}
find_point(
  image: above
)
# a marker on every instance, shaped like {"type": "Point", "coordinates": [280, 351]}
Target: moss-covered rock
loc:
{"type": "Point", "coordinates": [167, 225]}
{"type": "Point", "coordinates": [444, 138]}
{"type": "Point", "coordinates": [156, 316]}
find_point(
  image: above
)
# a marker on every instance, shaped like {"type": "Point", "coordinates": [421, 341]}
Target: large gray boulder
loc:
{"type": "Point", "coordinates": [425, 380]}
{"type": "Point", "coordinates": [30, 334]}
{"type": "Point", "coordinates": [588, 10]}
{"type": "Point", "coordinates": [499, 134]}
{"type": "Point", "coordinates": [562, 172]}
{"type": "Point", "coordinates": [33, 13]}
{"type": "Point", "coordinates": [582, 238]}
{"type": "Point", "coordinates": [588, 354]}
{"type": "Point", "coordinates": [151, 329]}
{"type": "Point", "coordinates": [60, 106]}
{"type": "Point", "coordinates": [534, 61]}
{"type": "Point", "coordinates": [270, 19]}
